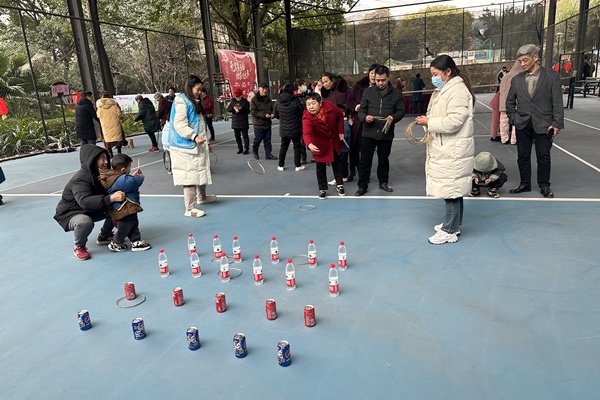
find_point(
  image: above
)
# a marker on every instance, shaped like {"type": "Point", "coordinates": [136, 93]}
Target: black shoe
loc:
{"type": "Point", "coordinates": [474, 192]}
{"type": "Point", "coordinates": [246, 151]}
{"type": "Point", "coordinates": [496, 139]}
{"type": "Point", "coordinates": [256, 157]}
{"type": "Point", "coordinates": [270, 157]}
{"type": "Point", "coordinates": [546, 192]}
{"type": "Point", "coordinates": [322, 194]}
{"type": "Point", "coordinates": [240, 151]}
{"type": "Point", "coordinates": [520, 189]}
{"type": "Point", "coordinates": [360, 191]}
{"type": "Point", "coordinates": [350, 178]}
{"type": "Point", "coordinates": [386, 187]}
{"type": "Point", "coordinates": [340, 190]}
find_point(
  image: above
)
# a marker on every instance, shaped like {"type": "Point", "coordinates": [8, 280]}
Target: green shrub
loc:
{"type": "Point", "coordinates": [21, 137]}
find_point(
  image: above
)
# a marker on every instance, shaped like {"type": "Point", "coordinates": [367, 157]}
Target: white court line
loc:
{"type": "Point", "coordinates": [582, 124]}
{"type": "Point", "coordinates": [345, 198]}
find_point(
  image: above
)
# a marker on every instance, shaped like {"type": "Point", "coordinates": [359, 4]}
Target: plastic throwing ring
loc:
{"type": "Point", "coordinates": [216, 157]}
{"type": "Point", "coordinates": [231, 276]}
{"type": "Point", "coordinates": [253, 170]}
{"type": "Point", "coordinates": [138, 295]}
{"type": "Point", "coordinates": [300, 255]}
{"type": "Point", "coordinates": [232, 260]}
{"type": "Point", "coordinates": [412, 140]}
{"type": "Point", "coordinates": [307, 207]}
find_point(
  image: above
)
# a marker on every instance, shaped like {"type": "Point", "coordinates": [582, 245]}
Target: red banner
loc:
{"type": "Point", "coordinates": [240, 68]}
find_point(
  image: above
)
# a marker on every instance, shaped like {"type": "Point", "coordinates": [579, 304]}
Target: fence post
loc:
{"type": "Point", "coordinates": [462, 41]}
{"type": "Point", "coordinates": [149, 58]}
{"type": "Point", "coordinates": [37, 95]}
{"type": "Point", "coordinates": [389, 44]}
{"type": "Point", "coordinates": [187, 68]}
{"type": "Point", "coordinates": [355, 60]}
{"type": "Point", "coordinates": [502, 10]}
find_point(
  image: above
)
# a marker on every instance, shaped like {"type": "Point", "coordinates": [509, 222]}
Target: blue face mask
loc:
{"type": "Point", "coordinates": [437, 81]}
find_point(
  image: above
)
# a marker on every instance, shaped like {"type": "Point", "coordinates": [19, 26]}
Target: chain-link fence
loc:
{"type": "Point", "coordinates": [470, 35]}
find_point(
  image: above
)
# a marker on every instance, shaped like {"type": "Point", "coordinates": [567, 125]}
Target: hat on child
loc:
{"type": "Point", "coordinates": [485, 162]}
{"type": "Point", "coordinates": [237, 92]}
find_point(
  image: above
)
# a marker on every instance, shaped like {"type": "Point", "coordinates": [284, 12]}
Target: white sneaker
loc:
{"type": "Point", "coordinates": [300, 168]}
{"type": "Point", "coordinates": [438, 228]}
{"type": "Point", "coordinates": [442, 237]}
{"type": "Point", "coordinates": [210, 198]}
{"type": "Point", "coordinates": [194, 212]}
{"type": "Point", "coordinates": [280, 168]}
{"type": "Point", "coordinates": [332, 183]}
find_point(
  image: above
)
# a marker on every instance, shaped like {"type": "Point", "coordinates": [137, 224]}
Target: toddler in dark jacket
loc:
{"type": "Point", "coordinates": [489, 172]}
{"type": "Point", "coordinates": [125, 212]}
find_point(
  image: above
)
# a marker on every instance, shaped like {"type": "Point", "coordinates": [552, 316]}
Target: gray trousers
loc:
{"type": "Point", "coordinates": [193, 194]}
{"type": "Point", "coordinates": [82, 225]}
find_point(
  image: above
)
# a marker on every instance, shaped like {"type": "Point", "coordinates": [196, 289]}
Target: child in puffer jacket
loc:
{"type": "Point", "coordinates": [488, 172]}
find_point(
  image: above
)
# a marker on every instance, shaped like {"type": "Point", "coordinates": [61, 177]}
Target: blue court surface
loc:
{"type": "Point", "coordinates": [510, 311]}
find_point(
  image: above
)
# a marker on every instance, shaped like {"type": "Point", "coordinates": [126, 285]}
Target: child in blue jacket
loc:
{"type": "Point", "coordinates": [125, 212]}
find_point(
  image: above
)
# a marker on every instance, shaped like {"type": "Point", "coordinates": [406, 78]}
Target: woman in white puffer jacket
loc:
{"type": "Point", "coordinates": [449, 161]}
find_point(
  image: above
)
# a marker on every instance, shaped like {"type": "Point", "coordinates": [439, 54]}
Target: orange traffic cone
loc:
{"type": "Point", "coordinates": [131, 144]}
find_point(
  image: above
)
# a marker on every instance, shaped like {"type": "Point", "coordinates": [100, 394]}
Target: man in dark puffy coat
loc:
{"type": "Point", "coordinates": [85, 114]}
{"type": "Point", "coordinates": [239, 109]}
{"type": "Point", "coordinates": [84, 201]}
{"type": "Point", "coordinates": [147, 113]}
{"type": "Point", "coordinates": [289, 110]}
{"type": "Point", "coordinates": [261, 109]}
{"type": "Point", "coordinates": [381, 106]}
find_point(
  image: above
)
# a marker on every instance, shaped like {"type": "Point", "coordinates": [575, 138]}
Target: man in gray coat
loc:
{"type": "Point", "coordinates": [535, 107]}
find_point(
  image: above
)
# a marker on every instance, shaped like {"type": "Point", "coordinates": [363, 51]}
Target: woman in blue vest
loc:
{"type": "Point", "coordinates": [189, 147]}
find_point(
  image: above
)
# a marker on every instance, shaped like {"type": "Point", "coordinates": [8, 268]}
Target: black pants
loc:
{"type": "Point", "coordinates": [368, 146]}
{"type": "Point", "coordinates": [210, 127]}
{"type": "Point", "coordinates": [285, 143]}
{"type": "Point", "coordinates": [322, 172]}
{"type": "Point", "coordinates": [498, 183]}
{"type": "Point", "coordinates": [128, 227]}
{"type": "Point", "coordinates": [344, 163]}
{"type": "Point", "coordinates": [416, 107]}
{"type": "Point", "coordinates": [354, 156]}
{"type": "Point", "coordinates": [152, 139]}
{"type": "Point", "coordinates": [238, 138]}
{"type": "Point", "coordinates": [302, 150]}
{"type": "Point", "coordinates": [525, 139]}
{"type": "Point", "coordinates": [88, 141]}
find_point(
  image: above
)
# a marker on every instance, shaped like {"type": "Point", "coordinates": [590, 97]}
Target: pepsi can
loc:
{"type": "Point", "coordinates": [83, 317]}
{"type": "Point", "coordinates": [283, 353]}
{"type": "Point", "coordinates": [192, 338]}
{"type": "Point", "coordinates": [239, 345]}
{"type": "Point", "coordinates": [139, 332]}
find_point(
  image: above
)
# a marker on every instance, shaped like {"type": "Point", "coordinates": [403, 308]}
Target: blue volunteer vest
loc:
{"type": "Point", "coordinates": [193, 120]}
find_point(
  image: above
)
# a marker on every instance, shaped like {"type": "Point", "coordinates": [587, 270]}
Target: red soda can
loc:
{"type": "Point", "coordinates": [271, 307]}
{"type": "Point", "coordinates": [130, 291]}
{"type": "Point", "coordinates": [178, 296]}
{"type": "Point", "coordinates": [220, 302]}
{"type": "Point", "coordinates": [309, 316]}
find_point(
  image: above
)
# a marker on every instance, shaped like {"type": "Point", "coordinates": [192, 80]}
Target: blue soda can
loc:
{"type": "Point", "coordinates": [283, 353]}
{"type": "Point", "coordinates": [138, 329]}
{"type": "Point", "coordinates": [83, 317]}
{"type": "Point", "coordinates": [192, 338]}
{"type": "Point", "coordinates": [239, 345]}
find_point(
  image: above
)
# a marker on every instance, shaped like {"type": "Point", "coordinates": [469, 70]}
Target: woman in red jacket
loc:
{"type": "Point", "coordinates": [323, 126]}
{"type": "Point", "coordinates": [208, 104]}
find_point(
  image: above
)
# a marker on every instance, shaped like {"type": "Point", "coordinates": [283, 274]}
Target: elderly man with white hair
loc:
{"type": "Point", "coordinates": [535, 107]}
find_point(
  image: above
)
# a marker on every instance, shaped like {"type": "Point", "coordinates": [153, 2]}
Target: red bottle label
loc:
{"type": "Point", "coordinates": [334, 288]}
{"type": "Point", "coordinates": [290, 282]}
{"type": "Point", "coordinates": [224, 274]}
{"type": "Point", "coordinates": [258, 277]}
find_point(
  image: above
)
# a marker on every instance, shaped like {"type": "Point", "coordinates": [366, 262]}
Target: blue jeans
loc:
{"type": "Point", "coordinates": [454, 214]}
{"type": "Point", "coordinates": [259, 136]}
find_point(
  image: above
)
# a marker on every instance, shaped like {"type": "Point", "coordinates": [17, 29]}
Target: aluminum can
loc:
{"type": "Point", "coordinates": [192, 338]}
{"type": "Point", "coordinates": [239, 345]}
{"type": "Point", "coordinates": [130, 291]}
{"type": "Point", "coordinates": [139, 332]}
{"type": "Point", "coordinates": [283, 353]}
{"type": "Point", "coordinates": [309, 316]}
{"type": "Point", "coordinates": [83, 317]}
{"type": "Point", "coordinates": [178, 296]}
{"type": "Point", "coordinates": [220, 302]}
{"type": "Point", "coordinates": [271, 307]}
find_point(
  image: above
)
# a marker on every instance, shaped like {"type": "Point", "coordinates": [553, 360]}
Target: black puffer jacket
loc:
{"type": "Point", "coordinates": [84, 193]}
{"type": "Point", "coordinates": [289, 110]}
{"type": "Point", "coordinates": [260, 106]}
{"type": "Point", "coordinates": [239, 120]}
{"type": "Point", "coordinates": [147, 113]}
{"type": "Point", "coordinates": [85, 114]}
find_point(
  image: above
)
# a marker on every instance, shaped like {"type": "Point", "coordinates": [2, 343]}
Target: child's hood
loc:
{"type": "Point", "coordinates": [485, 162]}
{"type": "Point", "coordinates": [108, 177]}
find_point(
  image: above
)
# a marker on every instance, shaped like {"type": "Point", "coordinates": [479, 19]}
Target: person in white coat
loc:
{"type": "Point", "coordinates": [189, 148]}
{"type": "Point", "coordinates": [449, 161]}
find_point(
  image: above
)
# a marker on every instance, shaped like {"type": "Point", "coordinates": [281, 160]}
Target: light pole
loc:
{"type": "Point", "coordinates": [558, 36]}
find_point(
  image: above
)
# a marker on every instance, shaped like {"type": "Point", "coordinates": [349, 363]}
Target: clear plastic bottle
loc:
{"type": "Point", "coordinates": [334, 289]}
{"type": "Point", "coordinates": [342, 257]}
{"type": "Point", "coordinates": [257, 271]}
{"type": "Point", "coordinates": [191, 243]}
{"type": "Point", "coordinates": [237, 250]}
{"type": "Point", "coordinates": [195, 264]}
{"type": "Point", "coordinates": [224, 268]}
{"type": "Point", "coordinates": [312, 254]}
{"type": "Point", "coordinates": [217, 246]}
{"type": "Point", "coordinates": [163, 265]}
{"type": "Point", "coordinates": [274, 251]}
{"type": "Point", "coordinates": [290, 275]}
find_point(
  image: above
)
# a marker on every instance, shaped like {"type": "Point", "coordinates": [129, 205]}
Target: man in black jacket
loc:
{"type": "Point", "coordinates": [84, 201]}
{"type": "Point", "coordinates": [239, 109]}
{"type": "Point", "coordinates": [535, 107]}
{"type": "Point", "coordinates": [381, 107]}
{"type": "Point", "coordinates": [289, 110]}
{"type": "Point", "coordinates": [261, 109]}
{"type": "Point", "coordinates": [147, 113]}
{"type": "Point", "coordinates": [85, 114]}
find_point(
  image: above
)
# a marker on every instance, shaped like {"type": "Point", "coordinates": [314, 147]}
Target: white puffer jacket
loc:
{"type": "Point", "coordinates": [449, 161]}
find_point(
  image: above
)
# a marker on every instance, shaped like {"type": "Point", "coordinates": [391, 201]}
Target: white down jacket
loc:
{"type": "Point", "coordinates": [449, 161]}
{"type": "Point", "coordinates": [190, 166]}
